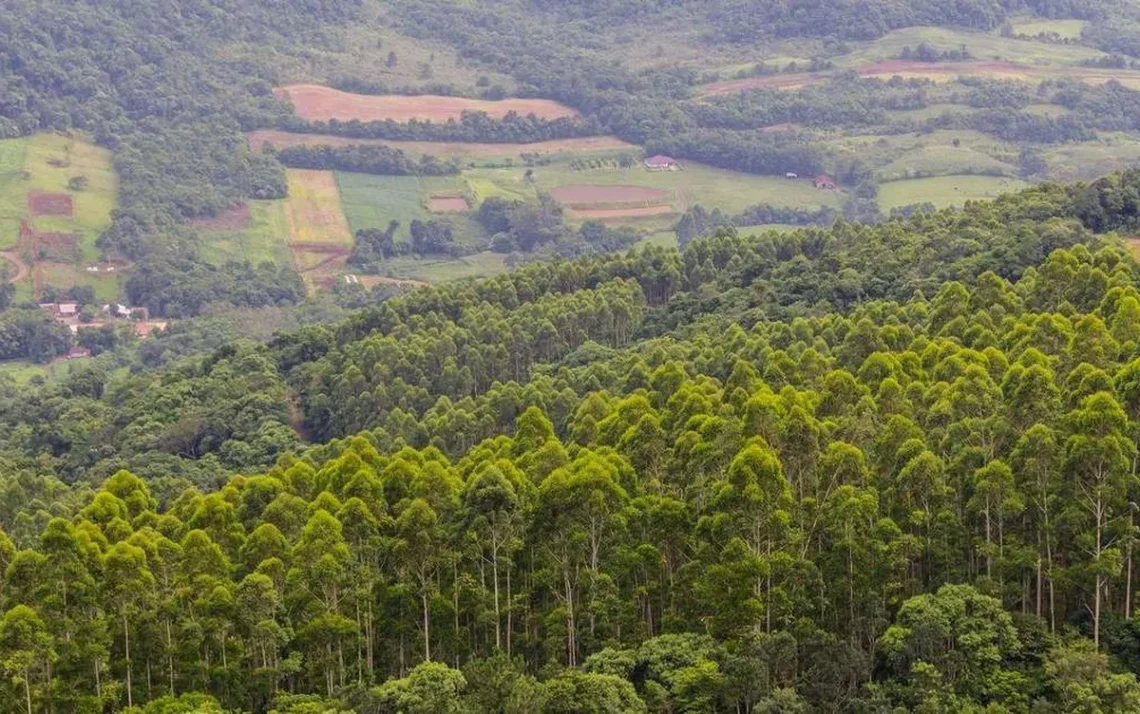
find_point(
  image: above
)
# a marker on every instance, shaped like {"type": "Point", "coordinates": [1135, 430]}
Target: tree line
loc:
{"type": "Point", "coordinates": [361, 158]}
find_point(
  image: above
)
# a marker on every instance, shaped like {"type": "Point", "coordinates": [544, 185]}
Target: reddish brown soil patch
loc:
{"type": "Point", "coordinates": [447, 204]}
{"type": "Point", "coordinates": [282, 139]}
{"type": "Point", "coordinates": [586, 196]}
{"type": "Point", "coordinates": [62, 247]}
{"type": "Point", "coordinates": [231, 219]}
{"type": "Point", "coordinates": [50, 204]}
{"type": "Point", "coordinates": [319, 103]}
{"type": "Point", "coordinates": [616, 215]}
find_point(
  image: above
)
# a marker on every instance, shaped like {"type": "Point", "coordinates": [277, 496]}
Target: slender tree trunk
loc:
{"type": "Point", "coordinates": [510, 611]}
{"type": "Point", "coordinates": [427, 636]}
{"type": "Point", "coordinates": [28, 688]}
{"type": "Point", "coordinates": [495, 577]}
{"type": "Point", "coordinates": [1097, 595]}
{"type": "Point", "coordinates": [127, 648]}
{"type": "Point", "coordinates": [571, 645]}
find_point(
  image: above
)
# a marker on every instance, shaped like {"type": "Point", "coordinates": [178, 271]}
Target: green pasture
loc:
{"type": "Point", "coordinates": [943, 191]}
{"type": "Point", "coordinates": [980, 45]}
{"type": "Point", "coordinates": [264, 239]}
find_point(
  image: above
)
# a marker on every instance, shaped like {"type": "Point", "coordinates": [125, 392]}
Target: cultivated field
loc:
{"type": "Point", "coordinates": [319, 103]}
{"type": "Point", "coordinates": [48, 227]}
{"type": "Point", "coordinates": [319, 237]}
{"type": "Point", "coordinates": [732, 191]}
{"type": "Point", "coordinates": [447, 204]}
{"type": "Point", "coordinates": [943, 191]}
{"type": "Point", "coordinates": [373, 201]}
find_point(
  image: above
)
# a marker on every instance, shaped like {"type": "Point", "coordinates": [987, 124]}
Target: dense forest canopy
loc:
{"type": "Point", "coordinates": [874, 465]}
{"type": "Point", "coordinates": [777, 472]}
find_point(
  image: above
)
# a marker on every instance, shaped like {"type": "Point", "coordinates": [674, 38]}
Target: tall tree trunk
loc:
{"type": "Point", "coordinates": [127, 648]}
{"type": "Point", "coordinates": [426, 624]}
{"type": "Point", "coordinates": [571, 644]}
{"type": "Point", "coordinates": [495, 577]}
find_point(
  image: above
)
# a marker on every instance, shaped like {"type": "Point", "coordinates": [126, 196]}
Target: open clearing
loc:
{"type": "Point", "coordinates": [935, 160]}
{"type": "Point", "coordinates": [602, 196]}
{"type": "Point", "coordinates": [263, 236]}
{"type": "Point", "coordinates": [732, 191]}
{"type": "Point", "coordinates": [231, 219]}
{"type": "Point", "coordinates": [442, 270]}
{"type": "Point", "coordinates": [448, 149]}
{"type": "Point", "coordinates": [316, 102]}
{"type": "Point", "coordinates": [983, 46]}
{"type": "Point", "coordinates": [42, 219]}
{"type": "Point", "coordinates": [372, 201]}
{"type": "Point", "coordinates": [944, 191]}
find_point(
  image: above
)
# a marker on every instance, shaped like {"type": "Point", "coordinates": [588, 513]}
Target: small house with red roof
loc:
{"type": "Point", "coordinates": [660, 162]}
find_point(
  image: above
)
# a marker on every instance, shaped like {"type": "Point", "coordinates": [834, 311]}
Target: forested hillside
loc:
{"type": "Point", "coordinates": [825, 452]}
{"type": "Point", "coordinates": [842, 470]}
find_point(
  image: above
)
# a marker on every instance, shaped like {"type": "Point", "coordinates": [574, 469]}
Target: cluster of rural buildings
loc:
{"type": "Point", "coordinates": [70, 314]}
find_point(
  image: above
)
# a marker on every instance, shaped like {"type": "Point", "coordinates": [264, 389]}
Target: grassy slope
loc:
{"type": "Point", "coordinates": [13, 190]}
{"type": "Point", "coordinates": [981, 45]}
{"type": "Point", "coordinates": [264, 239]}
{"type": "Point", "coordinates": [944, 191]}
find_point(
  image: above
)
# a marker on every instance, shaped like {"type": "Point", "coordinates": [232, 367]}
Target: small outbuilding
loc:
{"type": "Point", "coordinates": [824, 183]}
{"type": "Point", "coordinates": [661, 162]}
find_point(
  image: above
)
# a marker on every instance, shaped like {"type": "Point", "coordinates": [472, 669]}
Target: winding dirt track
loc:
{"type": "Point", "coordinates": [22, 268]}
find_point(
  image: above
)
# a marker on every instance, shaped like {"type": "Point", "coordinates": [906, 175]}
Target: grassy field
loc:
{"type": "Point", "coordinates": [13, 190]}
{"type": "Point", "coordinates": [980, 45]}
{"type": "Point", "coordinates": [1092, 159]}
{"type": "Point", "coordinates": [373, 201]}
{"type": "Point", "coordinates": [732, 191]}
{"type": "Point", "coordinates": [442, 270]}
{"type": "Point", "coordinates": [942, 160]}
{"type": "Point", "coordinates": [107, 287]}
{"type": "Point", "coordinates": [265, 238]}
{"type": "Point", "coordinates": [313, 209]}
{"type": "Point", "coordinates": [918, 150]}
{"type": "Point", "coordinates": [23, 371]}
{"type": "Point", "coordinates": [943, 191]}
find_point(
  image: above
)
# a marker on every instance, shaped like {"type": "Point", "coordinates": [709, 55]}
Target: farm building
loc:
{"type": "Point", "coordinates": [662, 163]}
{"type": "Point", "coordinates": [824, 182]}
